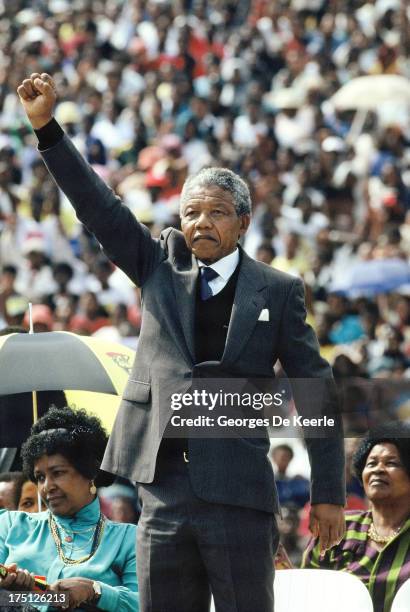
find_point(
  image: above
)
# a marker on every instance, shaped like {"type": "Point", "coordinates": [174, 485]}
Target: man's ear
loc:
{"type": "Point", "coordinates": [244, 224]}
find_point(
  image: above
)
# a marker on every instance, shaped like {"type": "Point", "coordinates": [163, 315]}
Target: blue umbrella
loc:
{"type": "Point", "coordinates": [374, 277]}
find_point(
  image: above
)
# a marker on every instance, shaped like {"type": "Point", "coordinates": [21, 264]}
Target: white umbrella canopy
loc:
{"type": "Point", "coordinates": [369, 92]}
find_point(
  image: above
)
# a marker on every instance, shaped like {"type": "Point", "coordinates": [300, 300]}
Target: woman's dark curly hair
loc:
{"type": "Point", "coordinates": [395, 433]}
{"type": "Point", "coordinates": [76, 435]}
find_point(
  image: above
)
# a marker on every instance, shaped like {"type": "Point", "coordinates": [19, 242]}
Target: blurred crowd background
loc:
{"type": "Point", "coordinates": [152, 90]}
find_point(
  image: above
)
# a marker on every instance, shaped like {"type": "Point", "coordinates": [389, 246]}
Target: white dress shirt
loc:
{"type": "Point", "coordinates": [225, 267]}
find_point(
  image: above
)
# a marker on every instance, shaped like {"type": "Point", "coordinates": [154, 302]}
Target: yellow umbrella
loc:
{"type": "Point", "coordinates": [103, 406]}
{"type": "Point", "coordinates": [56, 361]}
{"type": "Point", "coordinates": [62, 360]}
{"type": "Point", "coordinates": [117, 361]}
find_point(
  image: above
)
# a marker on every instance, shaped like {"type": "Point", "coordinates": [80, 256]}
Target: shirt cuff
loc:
{"type": "Point", "coordinates": [49, 135]}
{"type": "Point", "coordinates": [109, 597]}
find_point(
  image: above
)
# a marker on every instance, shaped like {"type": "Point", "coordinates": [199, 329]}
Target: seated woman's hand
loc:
{"type": "Point", "coordinates": [78, 590]}
{"type": "Point", "coordinates": [17, 579]}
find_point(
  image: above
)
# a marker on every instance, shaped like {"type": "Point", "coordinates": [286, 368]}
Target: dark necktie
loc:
{"type": "Point", "coordinates": [207, 274]}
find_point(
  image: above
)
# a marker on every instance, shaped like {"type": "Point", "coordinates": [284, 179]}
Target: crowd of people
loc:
{"type": "Point", "coordinates": [152, 91]}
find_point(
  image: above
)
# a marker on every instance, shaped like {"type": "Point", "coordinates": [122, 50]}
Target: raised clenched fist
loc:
{"type": "Point", "coordinates": [38, 95]}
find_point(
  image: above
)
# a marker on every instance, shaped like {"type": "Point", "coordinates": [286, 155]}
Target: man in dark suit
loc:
{"type": "Point", "coordinates": [208, 505]}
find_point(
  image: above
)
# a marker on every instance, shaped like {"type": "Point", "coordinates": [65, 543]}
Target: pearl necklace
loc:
{"type": "Point", "coordinates": [379, 539]}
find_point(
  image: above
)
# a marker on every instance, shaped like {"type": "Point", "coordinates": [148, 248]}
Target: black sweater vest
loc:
{"type": "Point", "coordinates": [211, 327]}
{"type": "Point", "coordinates": [212, 319]}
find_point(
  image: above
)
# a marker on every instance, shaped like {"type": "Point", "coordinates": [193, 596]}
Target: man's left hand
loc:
{"type": "Point", "coordinates": [327, 522]}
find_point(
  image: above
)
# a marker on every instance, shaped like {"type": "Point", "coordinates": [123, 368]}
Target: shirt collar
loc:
{"type": "Point", "coordinates": [226, 266]}
{"type": "Point", "coordinates": [88, 514]}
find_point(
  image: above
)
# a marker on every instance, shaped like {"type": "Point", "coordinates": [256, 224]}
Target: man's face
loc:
{"type": "Point", "coordinates": [210, 224]}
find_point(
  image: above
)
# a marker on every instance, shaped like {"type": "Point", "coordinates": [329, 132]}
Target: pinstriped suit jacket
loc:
{"type": "Point", "coordinates": [230, 471]}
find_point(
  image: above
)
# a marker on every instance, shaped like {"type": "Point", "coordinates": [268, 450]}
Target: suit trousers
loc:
{"type": "Point", "coordinates": [187, 547]}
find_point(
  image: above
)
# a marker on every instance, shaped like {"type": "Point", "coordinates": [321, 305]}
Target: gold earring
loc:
{"type": "Point", "coordinates": [93, 488]}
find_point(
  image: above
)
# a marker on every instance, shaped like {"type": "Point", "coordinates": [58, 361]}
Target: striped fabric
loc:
{"type": "Point", "coordinates": [383, 572]}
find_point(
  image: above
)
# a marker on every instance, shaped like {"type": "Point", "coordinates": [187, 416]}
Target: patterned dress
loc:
{"type": "Point", "coordinates": [382, 571]}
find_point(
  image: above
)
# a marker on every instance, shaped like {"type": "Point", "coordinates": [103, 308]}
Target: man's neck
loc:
{"type": "Point", "coordinates": [224, 266]}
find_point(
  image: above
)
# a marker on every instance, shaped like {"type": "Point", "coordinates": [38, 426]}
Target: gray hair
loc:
{"type": "Point", "coordinates": [224, 179]}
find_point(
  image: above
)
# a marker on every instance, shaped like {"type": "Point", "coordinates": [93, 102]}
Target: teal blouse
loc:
{"type": "Point", "coordinates": [25, 539]}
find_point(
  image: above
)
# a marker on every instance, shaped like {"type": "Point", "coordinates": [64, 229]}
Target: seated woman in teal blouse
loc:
{"type": "Point", "coordinates": [72, 545]}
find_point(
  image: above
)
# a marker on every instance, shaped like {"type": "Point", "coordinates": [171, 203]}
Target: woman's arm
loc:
{"type": "Point", "coordinates": [17, 578]}
{"type": "Point", "coordinates": [113, 598]}
{"type": "Point", "coordinates": [122, 598]}
{"type": "Point", "coordinates": [5, 526]}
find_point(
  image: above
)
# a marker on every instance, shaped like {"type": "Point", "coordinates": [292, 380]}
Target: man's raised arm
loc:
{"type": "Point", "coordinates": [126, 242]}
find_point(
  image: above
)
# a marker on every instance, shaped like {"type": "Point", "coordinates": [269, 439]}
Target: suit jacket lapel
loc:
{"type": "Point", "coordinates": [184, 279]}
{"type": "Point", "coordinates": [247, 305]}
